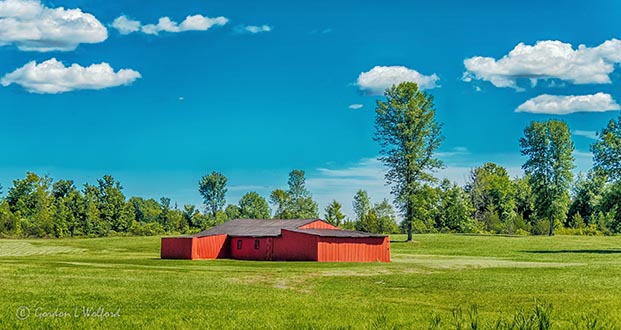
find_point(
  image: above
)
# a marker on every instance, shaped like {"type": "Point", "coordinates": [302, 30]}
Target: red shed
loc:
{"type": "Point", "coordinates": [298, 239]}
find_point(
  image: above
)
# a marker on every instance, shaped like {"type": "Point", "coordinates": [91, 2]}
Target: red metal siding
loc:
{"type": "Point", "coordinates": [319, 224]}
{"type": "Point", "coordinates": [248, 251]}
{"type": "Point", "coordinates": [210, 247]}
{"type": "Point", "coordinates": [366, 249]}
{"type": "Point", "coordinates": [176, 248]}
{"type": "Point", "coordinates": [295, 246]}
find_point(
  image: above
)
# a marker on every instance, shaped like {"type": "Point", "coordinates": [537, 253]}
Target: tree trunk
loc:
{"type": "Point", "coordinates": [409, 220]}
{"type": "Point", "coordinates": [551, 227]}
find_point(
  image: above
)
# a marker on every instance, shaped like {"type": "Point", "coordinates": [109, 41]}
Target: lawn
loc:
{"type": "Point", "coordinates": [120, 282]}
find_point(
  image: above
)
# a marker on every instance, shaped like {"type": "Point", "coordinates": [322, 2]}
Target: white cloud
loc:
{"type": "Point", "coordinates": [52, 77]}
{"type": "Point", "coordinates": [375, 81]}
{"type": "Point", "coordinates": [254, 29]}
{"type": "Point", "coordinates": [547, 60]}
{"type": "Point", "coordinates": [587, 134]}
{"type": "Point", "coordinates": [126, 25]}
{"type": "Point", "coordinates": [355, 106]}
{"type": "Point", "coordinates": [456, 151]}
{"type": "Point", "coordinates": [191, 23]}
{"type": "Point", "coordinates": [566, 104]}
{"type": "Point", "coordinates": [31, 26]}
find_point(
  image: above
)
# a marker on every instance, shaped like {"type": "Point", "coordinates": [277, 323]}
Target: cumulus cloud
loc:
{"type": "Point", "coordinates": [547, 59]}
{"type": "Point", "coordinates": [566, 104]}
{"type": "Point", "coordinates": [355, 106]}
{"type": "Point", "coordinates": [31, 26]}
{"type": "Point", "coordinates": [53, 77]}
{"type": "Point", "coordinates": [126, 25]}
{"type": "Point", "coordinates": [375, 81]}
{"type": "Point", "coordinates": [254, 29]}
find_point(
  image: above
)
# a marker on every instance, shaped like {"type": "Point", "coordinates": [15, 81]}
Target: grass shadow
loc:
{"type": "Point", "coordinates": [596, 251]}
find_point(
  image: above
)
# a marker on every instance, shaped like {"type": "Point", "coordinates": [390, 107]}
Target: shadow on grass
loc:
{"type": "Point", "coordinates": [614, 251]}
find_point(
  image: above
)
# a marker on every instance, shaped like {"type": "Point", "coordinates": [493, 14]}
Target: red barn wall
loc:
{"type": "Point", "coordinates": [176, 248]}
{"type": "Point", "coordinates": [354, 249]}
{"type": "Point", "coordinates": [295, 246]}
{"type": "Point", "coordinates": [318, 225]}
{"type": "Point", "coordinates": [248, 251]}
{"type": "Point", "coordinates": [210, 247]}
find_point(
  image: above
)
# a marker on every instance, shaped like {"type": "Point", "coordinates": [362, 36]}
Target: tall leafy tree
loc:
{"type": "Point", "coordinates": [301, 202]}
{"type": "Point", "coordinates": [112, 205]}
{"type": "Point", "coordinates": [587, 198]}
{"type": "Point", "coordinates": [408, 135]}
{"type": "Point", "coordinates": [145, 210]}
{"type": "Point", "coordinates": [454, 208]}
{"type": "Point", "coordinates": [334, 215]}
{"type": "Point", "coordinates": [386, 218]}
{"type": "Point", "coordinates": [232, 211]}
{"type": "Point", "coordinates": [213, 189]}
{"type": "Point", "coordinates": [30, 199]}
{"type": "Point", "coordinates": [549, 149]}
{"type": "Point", "coordinates": [607, 150]}
{"type": "Point", "coordinates": [490, 188]}
{"type": "Point", "coordinates": [361, 204]}
{"type": "Point", "coordinates": [253, 206]}
{"type": "Point", "coordinates": [281, 200]}
{"type": "Point", "coordinates": [524, 199]}
{"type": "Point", "coordinates": [191, 216]}
{"type": "Point", "coordinates": [296, 202]}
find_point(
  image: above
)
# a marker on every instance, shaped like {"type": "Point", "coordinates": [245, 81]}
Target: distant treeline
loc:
{"type": "Point", "coordinates": [490, 202]}
{"type": "Point", "coordinates": [38, 206]}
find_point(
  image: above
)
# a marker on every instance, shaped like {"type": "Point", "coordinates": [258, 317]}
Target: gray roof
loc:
{"type": "Point", "coordinates": [336, 233]}
{"type": "Point", "coordinates": [254, 227]}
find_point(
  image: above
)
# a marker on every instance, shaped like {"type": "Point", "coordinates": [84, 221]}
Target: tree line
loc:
{"type": "Point", "coordinates": [547, 199]}
{"type": "Point", "coordinates": [38, 206]}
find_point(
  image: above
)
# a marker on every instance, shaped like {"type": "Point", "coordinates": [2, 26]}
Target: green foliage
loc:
{"type": "Point", "coordinates": [281, 200]}
{"type": "Point", "coordinates": [549, 149]}
{"type": "Point", "coordinates": [38, 207]}
{"type": "Point", "coordinates": [361, 204]}
{"type": "Point", "coordinates": [333, 214]}
{"type": "Point", "coordinates": [454, 209]}
{"type": "Point", "coordinates": [587, 200]}
{"type": "Point", "coordinates": [408, 135]}
{"type": "Point", "coordinates": [524, 199]}
{"type": "Point", "coordinates": [145, 211]}
{"type": "Point", "coordinates": [232, 212]}
{"type": "Point", "coordinates": [386, 218]}
{"type": "Point", "coordinates": [377, 218]}
{"type": "Point", "coordinates": [253, 206]}
{"type": "Point", "coordinates": [212, 188]}
{"type": "Point", "coordinates": [296, 202]}
{"type": "Point", "coordinates": [489, 186]}
{"type": "Point", "coordinates": [607, 150]}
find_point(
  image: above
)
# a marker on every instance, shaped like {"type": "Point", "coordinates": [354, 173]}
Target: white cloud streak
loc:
{"type": "Point", "coordinates": [126, 25]}
{"type": "Point", "coordinates": [355, 106]}
{"type": "Point", "coordinates": [547, 59]}
{"type": "Point", "coordinates": [566, 104]}
{"type": "Point", "coordinates": [375, 81]}
{"type": "Point", "coordinates": [587, 134]}
{"type": "Point", "coordinates": [253, 29]}
{"type": "Point", "coordinates": [53, 77]}
{"type": "Point", "coordinates": [31, 26]}
{"type": "Point", "coordinates": [342, 183]}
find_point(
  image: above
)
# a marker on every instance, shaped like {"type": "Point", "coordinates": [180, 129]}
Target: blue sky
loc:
{"type": "Point", "coordinates": [159, 95]}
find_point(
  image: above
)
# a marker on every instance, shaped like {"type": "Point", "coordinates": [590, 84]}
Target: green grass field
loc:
{"type": "Point", "coordinates": [58, 283]}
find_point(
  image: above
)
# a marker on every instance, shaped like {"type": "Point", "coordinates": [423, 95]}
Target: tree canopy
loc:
{"type": "Point", "coordinates": [408, 134]}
